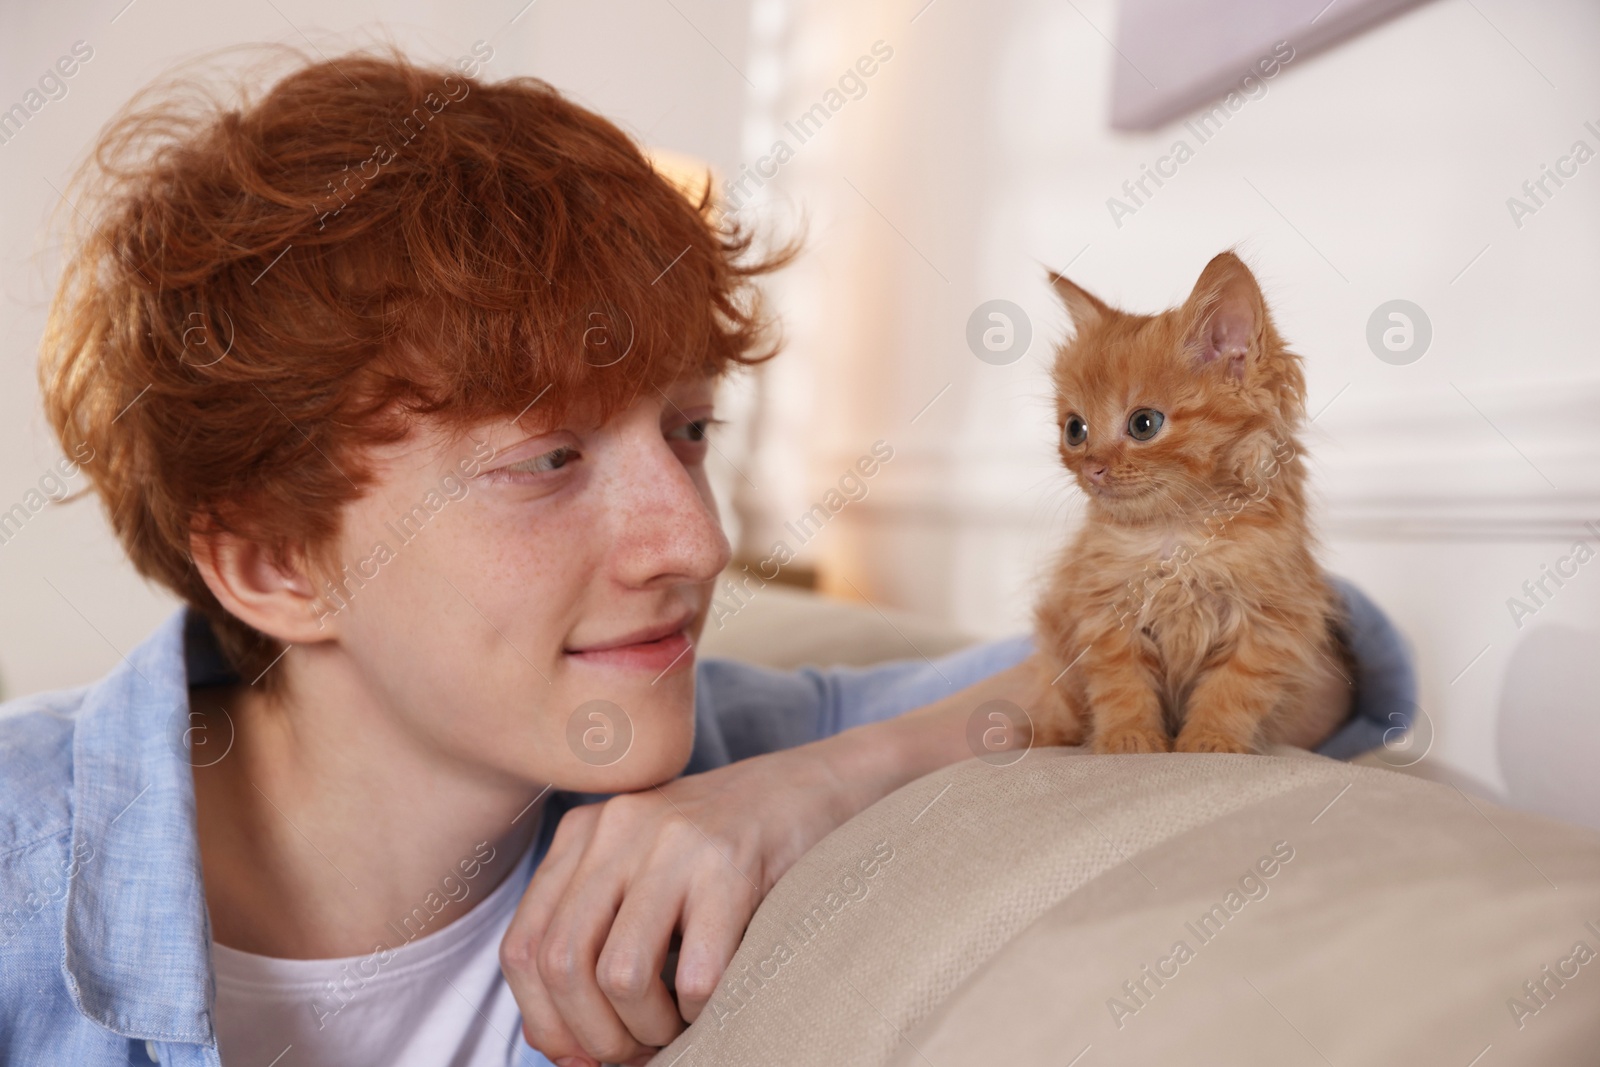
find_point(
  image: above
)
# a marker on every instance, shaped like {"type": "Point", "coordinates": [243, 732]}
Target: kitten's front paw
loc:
{"type": "Point", "coordinates": [1209, 740]}
{"type": "Point", "coordinates": [1131, 739]}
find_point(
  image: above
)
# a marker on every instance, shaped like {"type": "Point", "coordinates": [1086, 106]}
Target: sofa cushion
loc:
{"type": "Point", "coordinates": [786, 628]}
{"type": "Point", "coordinates": [990, 914]}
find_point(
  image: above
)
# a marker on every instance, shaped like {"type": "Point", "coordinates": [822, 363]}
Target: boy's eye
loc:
{"type": "Point", "coordinates": [554, 459]}
{"type": "Point", "coordinates": [1075, 431]}
{"type": "Point", "coordinates": [693, 432]}
{"type": "Point", "coordinates": [1144, 423]}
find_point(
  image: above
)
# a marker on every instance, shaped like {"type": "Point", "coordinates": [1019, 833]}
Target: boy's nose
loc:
{"type": "Point", "coordinates": [670, 532]}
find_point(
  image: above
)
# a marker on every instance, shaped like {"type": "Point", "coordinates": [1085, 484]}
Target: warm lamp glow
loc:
{"type": "Point", "coordinates": [689, 174]}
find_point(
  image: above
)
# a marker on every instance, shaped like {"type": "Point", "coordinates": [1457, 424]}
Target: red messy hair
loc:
{"type": "Point", "coordinates": [261, 291]}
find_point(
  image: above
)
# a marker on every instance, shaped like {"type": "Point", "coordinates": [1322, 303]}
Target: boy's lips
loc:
{"type": "Point", "coordinates": [654, 648]}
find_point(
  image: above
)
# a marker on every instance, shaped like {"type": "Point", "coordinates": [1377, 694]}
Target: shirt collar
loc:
{"type": "Point", "coordinates": [137, 934]}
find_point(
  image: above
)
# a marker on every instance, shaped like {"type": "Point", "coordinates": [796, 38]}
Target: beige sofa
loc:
{"type": "Point", "coordinates": [1086, 910]}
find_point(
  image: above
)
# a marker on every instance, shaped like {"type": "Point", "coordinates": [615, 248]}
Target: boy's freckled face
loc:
{"type": "Point", "coordinates": [574, 566]}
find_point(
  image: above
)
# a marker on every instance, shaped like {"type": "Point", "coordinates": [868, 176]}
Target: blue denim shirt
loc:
{"type": "Point", "coordinates": [104, 935]}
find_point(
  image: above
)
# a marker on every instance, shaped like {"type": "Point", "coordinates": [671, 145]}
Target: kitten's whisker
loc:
{"type": "Point", "coordinates": [1199, 499]}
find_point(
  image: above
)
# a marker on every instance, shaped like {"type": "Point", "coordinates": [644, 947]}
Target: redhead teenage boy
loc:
{"type": "Point", "coordinates": [400, 380]}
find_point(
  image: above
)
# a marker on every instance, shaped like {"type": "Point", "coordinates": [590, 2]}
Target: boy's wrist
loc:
{"type": "Point", "coordinates": [874, 760]}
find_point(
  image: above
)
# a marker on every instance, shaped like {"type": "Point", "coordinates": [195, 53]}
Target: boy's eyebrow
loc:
{"type": "Point", "coordinates": [517, 434]}
{"type": "Point", "coordinates": [694, 388]}
{"type": "Point", "coordinates": [517, 418]}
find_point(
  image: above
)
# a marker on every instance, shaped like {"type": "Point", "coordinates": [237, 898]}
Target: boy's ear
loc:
{"type": "Point", "coordinates": [1086, 309]}
{"type": "Point", "coordinates": [1225, 313]}
{"type": "Point", "coordinates": [279, 599]}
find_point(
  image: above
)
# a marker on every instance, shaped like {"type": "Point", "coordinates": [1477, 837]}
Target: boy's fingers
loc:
{"type": "Point", "coordinates": [542, 1026]}
{"type": "Point", "coordinates": [519, 946]}
{"type": "Point", "coordinates": [635, 952]}
{"type": "Point", "coordinates": [541, 1022]}
{"type": "Point", "coordinates": [569, 953]}
{"type": "Point", "coordinates": [714, 921]}
{"type": "Point", "coordinates": [549, 883]}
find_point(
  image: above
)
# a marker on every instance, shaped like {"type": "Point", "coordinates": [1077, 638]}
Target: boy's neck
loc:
{"type": "Point", "coordinates": [328, 830]}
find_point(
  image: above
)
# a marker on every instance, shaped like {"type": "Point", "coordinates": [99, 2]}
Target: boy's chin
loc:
{"type": "Point", "coordinates": [649, 755]}
{"type": "Point", "coordinates": [626, 777]}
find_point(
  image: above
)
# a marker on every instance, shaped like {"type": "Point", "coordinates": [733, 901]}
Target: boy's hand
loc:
{"type": "Point", "coordinates": [585, 952]}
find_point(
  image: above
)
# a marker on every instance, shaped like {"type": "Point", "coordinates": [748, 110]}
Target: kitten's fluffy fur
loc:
{"type": "Point", "coordinates": [1189, 603]}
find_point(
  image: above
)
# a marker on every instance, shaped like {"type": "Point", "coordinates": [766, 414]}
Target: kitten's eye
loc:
{"type": "Point", "coordinates": [1075, 432]}
{"type": "Point", "coordinates": [1144, 423]}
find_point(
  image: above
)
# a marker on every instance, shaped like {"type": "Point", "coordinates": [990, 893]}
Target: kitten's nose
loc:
{"type": "Point", "coordinates": [1096, 472]}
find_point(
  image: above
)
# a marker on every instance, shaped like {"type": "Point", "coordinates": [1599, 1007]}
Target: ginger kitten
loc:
{"type": "Point", "coordinates": [1189, 603]}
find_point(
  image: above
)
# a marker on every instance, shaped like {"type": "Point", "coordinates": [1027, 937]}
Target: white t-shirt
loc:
{"type": "Point", "coordinates": [438, 1000]}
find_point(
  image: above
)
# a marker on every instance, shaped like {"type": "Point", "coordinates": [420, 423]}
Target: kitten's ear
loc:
{"type": "Point", "coordinates": [1086, 310]}
{"type": "Point", "coordinates": [1225, 313]}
